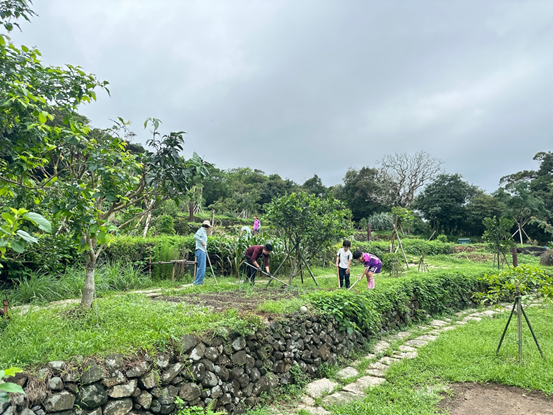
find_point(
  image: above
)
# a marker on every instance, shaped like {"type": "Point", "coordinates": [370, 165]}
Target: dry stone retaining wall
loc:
{"type": "Point", "coordinates": [230, 373]}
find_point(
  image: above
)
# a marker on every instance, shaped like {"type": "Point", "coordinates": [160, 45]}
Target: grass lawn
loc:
{"type": "Point", "coordinates": [466, 354]}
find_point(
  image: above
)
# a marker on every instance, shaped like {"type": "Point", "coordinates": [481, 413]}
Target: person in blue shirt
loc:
{"type": "Point", "coordinates": [201, 252]}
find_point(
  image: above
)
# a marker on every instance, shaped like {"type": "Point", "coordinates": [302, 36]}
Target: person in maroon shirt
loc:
{"type": "Point", "coordinates": [252, 255]}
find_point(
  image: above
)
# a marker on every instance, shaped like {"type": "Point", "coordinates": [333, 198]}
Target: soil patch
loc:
{"type": "Point", "coordinates": [493, 399]}
{"type": "Point", "coordinates": [220, 301]}
{"type": "Point", "coordinates": [464, 248]}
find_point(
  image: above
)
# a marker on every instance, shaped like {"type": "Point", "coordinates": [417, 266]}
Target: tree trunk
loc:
{"type": "Point", "coordinates": [89, 287]}
{"type": "Point", "coordinates": [148, 218]}
{"type": "Point", "coordinates": [520, 234]}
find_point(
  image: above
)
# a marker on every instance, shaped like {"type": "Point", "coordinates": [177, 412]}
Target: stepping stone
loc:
{"type": "Point", "coordinates": [381, 346]}
{"type": "Point", "coordinates": [376, 372]}
{"type": "Point", "coordinates": [423, 327]}
{"type": "Point", "coordinates": [370, 356]}
{"type": "Point", "coordinates": [408, 355]}
{"type": "Point", "coordinates": [319, 387]}
{"type": "Point", "coordinates": [469, 318]}
{"type": "Point", "coordinates": [447, 328]}
{"type": "Point", "coordinates": [447, 319]}
{"type": "Point", "coordinates": [416, 343]}
{"type": "Point", "coordinates": [427, 337]}
{"type": "Point", "coordinates": [363, 383]}
{"type": "Point", "coordinates": [356, 362]}
{"type": "Point", "coordinates": [438, 323]}
{"type": "Point", "coordinates": [314, 410]}
{"type": "Point", "coordinates": [487, 313]}
{"type": "Point", "coordinates": [388, 360]}
{"type": "Point", "coordinates": [307, 400]}
{"type": "Point", "coordinates": [461, 322]}
{"type": "Point", "coordinates": [378, 365]}
{"type": "Point", "coordinates": [403, 334]}
{"type": "Point", "coordinates": [404, 348]}
{"type": "Point", "coordinates": [347, 372]}
{"type": "Point", "coordinates": [340, 397]}
{"type": "Point", "coordinates": [434, 332]}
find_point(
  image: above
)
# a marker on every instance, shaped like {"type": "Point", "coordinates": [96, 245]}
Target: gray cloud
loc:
{"type": "Point", "coordinates": [314, 87]}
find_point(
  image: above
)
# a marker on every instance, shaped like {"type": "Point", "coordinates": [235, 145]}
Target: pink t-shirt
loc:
{"type": "Point", "coordinates": [371, 260]}
{"type": "Point", "coordinates": [256, 224]}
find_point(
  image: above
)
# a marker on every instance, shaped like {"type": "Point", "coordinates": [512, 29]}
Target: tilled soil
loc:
{"type": "Point", "coordinates": [220, 301]}
{"type": "Point", "coordinates": [493, 399]}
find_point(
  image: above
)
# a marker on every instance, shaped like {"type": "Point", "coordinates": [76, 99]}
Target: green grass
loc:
{"type": "Point", "coordinates": [466, 354]}
{"type": "Point", "coordinates": [122, 324]}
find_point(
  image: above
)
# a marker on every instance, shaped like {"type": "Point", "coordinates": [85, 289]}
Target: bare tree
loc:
{"type": "Point", "coordinates": [409, 173]}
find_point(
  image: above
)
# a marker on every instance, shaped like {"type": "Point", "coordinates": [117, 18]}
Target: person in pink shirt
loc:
{"type": "Point", "coordinates": [373, 265]}
{"type": "Point", "coordinates": [256, 225]}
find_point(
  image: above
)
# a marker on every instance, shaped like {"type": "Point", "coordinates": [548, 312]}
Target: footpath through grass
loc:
{"type": "Point", "coordinates": [466, 354]}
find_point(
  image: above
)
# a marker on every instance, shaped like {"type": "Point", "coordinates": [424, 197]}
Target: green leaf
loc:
{"type": "Point", "coordinates": [11, 371]}
{"type": "Point", "coordinates": [18, 246]}
{"type": "Point", "coordinates": [42, 118]}
{"type": "Point", "coordinates": [39, 220]}
{"type": "Point", "coordinates": [28, 238]}
{"type": "Point", "coordinates": [11, 387]}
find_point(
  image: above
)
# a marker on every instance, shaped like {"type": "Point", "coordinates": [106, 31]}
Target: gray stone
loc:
{"type": "Point", "coordinates": [138, 370]}
{"type": "Point", "coordinates": [56, 366]}
{"type": "Point", "coordinates": [118, 407]}
{"type": "Point", "coordinates": [148, 381]}
{"type": "Point", "coordinates": [122, 391]}
{"type": "Point", "coordinates": [487, 313]}
{"type": "Point", "coordinates": [173, 370]}
{"type": "Point", "coordinates": [97, 411]}
{"type": "Point", "coordinates": [388, 360]}
{"type": "Point", "coordinates": [416, 343]}
{"type": "Point", "coordinates": [114, 361]}
{"type": "Point", "coordinates": [42, 374]}
{"type": "Point", "coordinates": [198, 352]}
{"type": "Point", "coordinates": [427, 338]}
{"type": "Point", "coordinates": [376, 372]}
{"type": "Point", "coordinates": [162, 361]}
{"type": "Point", "coordinates": [211, 353]}
{"type": "Point", "coordinates": [55, 384]}
{"type": "Point", "coordinates": [239, 358]}
{"type": "Point", "coordinates": [314, 410]}
{"type": "Point", "coordinates": [190, 392]}
{"type": "Point", "coordinates": [198, 371]}
{"type": "Point", "coordinates": [358, 387]}
{"type": "Point", "coordinates": [324, 353]}
{"type": "Point", "coordinates": [116, 378]}
{"type": "Point", "coordinates": [211, 379]}
{"type": "Point", "coordinates": [71, 376]}
{"type": "Point", "coordinates": [59, 402]}
{"type": "Point", "coordinates": [145, 399]}
{"type": "Point", "coordinates": [187, 343]}
{"type": "Point", "coordinates": [168, 394]}
{"type": "Point", "coordinates": [9, 411]}
{"type": "Point", "coordinates": [303, 309]}
{"type": "Point", "coordinates": [381, 346]}
{"type": "Point", "coordinates": [92, 396]}
{"type": "Point", "coordinates": [92, 373]}
{"type": "Point", "coordinates": [340, 398]}
{"type": "Point", "coordinates": [155, 407]}
{"type": "Point", "coordinates": [319, 387]}
{"type": "Point", "coordinates": [216, 392]}
{"type": "Point", "coordinates": [438, 323]}
{"type": "Point", "coordinates": [4, 405]}
{"type": "Point", "coordinates": [347, 372]}
{"type": "Point", "coordinates": [26, 411]}
{"type": "Point", "coordinates": [238, 344]}
{"type": "Point", "coordinates": [403, 334]}
{"type": "Point", "coordinates": [370, 356]}
{"type": "Point", "coordinates": [378, 365]}
{"type": "Point", "coordinates": [469, 318]}
{"type": "Point", "coordinates": [404, 348]}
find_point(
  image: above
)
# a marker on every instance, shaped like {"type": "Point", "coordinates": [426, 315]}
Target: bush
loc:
{"type": "Point", "coordinates": [546, 258]}
{"type": "Point", "coordinates": [165, 224]}
{"type": "Point", "coordinates": [391, 263]}
{"type": "Point", "coordinates": [442, 238]}
{"type": "Point", "coordinates": [367, 311]}
{"type": "Point", "coordinates": [411, 246]}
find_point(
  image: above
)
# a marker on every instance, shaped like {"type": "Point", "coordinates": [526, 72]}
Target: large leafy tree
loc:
{"type": "Point", "coordinates": [481, 206]}
{"type": "Point", "coordinates": [84, 178]}
{"type": "Point", "coordinates": [308, 223]}
{"type": "Point", "coordinates": [443, 202]}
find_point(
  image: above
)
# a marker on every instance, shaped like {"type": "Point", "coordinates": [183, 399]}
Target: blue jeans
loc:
{"type": "Point", "coordinates": [200, 271]}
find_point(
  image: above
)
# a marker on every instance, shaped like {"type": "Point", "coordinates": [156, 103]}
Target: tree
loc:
{"type": "Point", "coordinates": [443, 202]}
{"type": "Point", "coordinates": [17, 227]}
{"type": "Point", "coordinates": [521, 205]}
{"type": "Point", "coordinates": [481, 206]}
{"type": "Point", "coordinates": [498, 236]}
{"type": "Point", "coordinates": [365, 192]}
{"type": "Point", "coordinates": [408, 174]}
{"type": "Point", "coordinates": [308, 223]}
{"type": "Point", "coordinates": [315, 186]}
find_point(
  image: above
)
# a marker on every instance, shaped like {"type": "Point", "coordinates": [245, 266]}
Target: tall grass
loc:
{"type": "Point", "coordinates": [43, 287]}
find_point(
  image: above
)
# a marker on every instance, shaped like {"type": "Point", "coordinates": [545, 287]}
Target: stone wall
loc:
{"type": "Point", "coordinates": [234, 372]}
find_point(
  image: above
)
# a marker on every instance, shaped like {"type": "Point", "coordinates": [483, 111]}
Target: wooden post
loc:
{"type": "Point", "coordinates": [212, 221]}
{"type": "Point", "coordinates": [515, 256]}
{"type": "Point", "coordinates": [174, 265]}
{"type": "Point", "coordinates": [191, 212]}
{"type": "Point", "coordinates": [150, 262]}
{"type": "Point", "coordinates": [369, 233]}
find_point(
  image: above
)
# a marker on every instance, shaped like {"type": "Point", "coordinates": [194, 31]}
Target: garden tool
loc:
{"type": "Point", "coordinates": [265, 273]}
{"type": "Point", "coordinates": [209, 260]}
{"type": "Point", "coordinates": [349, 289]}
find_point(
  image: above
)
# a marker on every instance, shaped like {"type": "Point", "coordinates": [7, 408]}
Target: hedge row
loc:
{"type": "Point", "coordinates": [411, 246]}
{"type": "Point", "coordinates": [370, 310]}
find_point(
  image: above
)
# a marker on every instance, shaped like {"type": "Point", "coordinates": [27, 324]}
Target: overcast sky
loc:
{"type": "Point", "coordinates": [314, 87]}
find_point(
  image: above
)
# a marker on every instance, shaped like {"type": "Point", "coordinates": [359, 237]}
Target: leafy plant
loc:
{"type": "Point", "coordinates": [7, 386]}
{"type": "Point", "coordinates": [12, 232]}
{"type": "Point", "coordinates": [195, 410]}
{"type": "Point", "coordinates": [498, 236]}
{"type": "Point", "coordinates": [547, 258]}
{"type": "Point", "coordinates": [391, 263]}
{"type": "Point", "coordinates": [442, 238]}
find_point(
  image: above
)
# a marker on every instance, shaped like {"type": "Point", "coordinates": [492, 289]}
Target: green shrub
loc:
{"type": "Point", "coordinates": [391, 263]}
{"type": "Point", "coordinates": [546, 258]}
{"type": "Point", "coordinates": [367, 311]}
{"type": "Point", "coordinates": [411, 246]}
{"type": "Point", "coordinates": [165, 225]}
{"type": "Point", "coordinates": [442, 238]}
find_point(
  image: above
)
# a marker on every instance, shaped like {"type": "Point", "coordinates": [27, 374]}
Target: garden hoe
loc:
{"type": "Point", "coordinates": [354, 284]}
{"type": "Point", "coordinates": [209, 260]}
{"type": "Point", "coordinates": [265, 273]}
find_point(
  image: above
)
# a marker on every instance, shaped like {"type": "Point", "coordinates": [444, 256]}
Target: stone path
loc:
{"type": "Point", "coordinates": [353, 383]}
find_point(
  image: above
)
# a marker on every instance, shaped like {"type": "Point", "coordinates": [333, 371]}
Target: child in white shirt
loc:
{"type": "Point", "coordinates": [343, 262]}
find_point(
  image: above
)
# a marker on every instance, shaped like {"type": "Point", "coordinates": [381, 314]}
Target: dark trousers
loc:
{"type": "Point", "coordinates": [250, 272]}
{"type": "Point", "coordinates": [343, 276]}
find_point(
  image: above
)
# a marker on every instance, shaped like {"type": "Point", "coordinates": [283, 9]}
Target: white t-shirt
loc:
{"type": "Point", "coordinates": [345, 257]}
